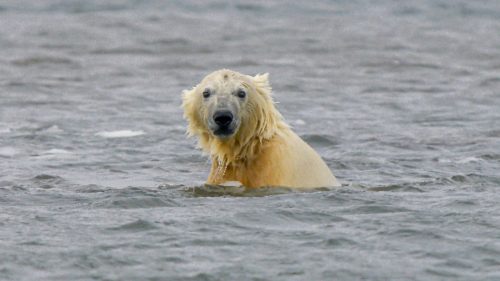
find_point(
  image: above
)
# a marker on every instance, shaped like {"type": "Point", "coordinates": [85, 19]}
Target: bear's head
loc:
{"type": "Point", "coordinates": [232, 108]}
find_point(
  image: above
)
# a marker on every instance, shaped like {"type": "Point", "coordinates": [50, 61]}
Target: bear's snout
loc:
{"type": "Point", "coordinates": [223, 123]}
{"type": "Point", "coordinates": [223, 118]}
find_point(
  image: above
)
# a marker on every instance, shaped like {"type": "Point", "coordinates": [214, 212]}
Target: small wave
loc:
{"type": "Point", "coordinates": [242, 191]}
{"type": "Point", "coordinates": [138, 202]}
{"type": "Point", "coordinates": [339, 242]}
{"type": "Point", "coordinates": [405, 187]}
{"type": "Point", "coordinates": [490, 82]}
{"type": "Point", "coordinates": [423, 234]}
{"type": "Point", "coordinates": [250, 7]}
{"type": "Point", "coordinates": [130, 198]}
{"type": "Point", "coordinates": [299, 122]}
{"type": "Point", "coordinates": [319, 139]}
{"type": "Point", "coordinates": [54, 129]}
{"type": "Point", "coordinates": [120, 134]}
{"type": "Point", "coordinates": [6, 183]}
{"type": "Point", "coordinates": [168, 42]}
{"type": "Point", "coordinates": [47, 181]}
{"type": "Point", "coordinates": [123, 51]}
{"type": "Point", "coordinates": [491, 156]}
{"type": "Point", "coordinates": [468, 160]}
{"type": "Point", "coordinates": [29, 61]}
{"type": "Point", "coordinates": [53, 154]}
{"type": "Point", "coordinates": [465, 160]}
{"type": "Point", "coordinates": [135, 226]}
{"type": "Point", "coordinates": [56, 151]}
{"type": "Point", "coordinates": [374, 209]}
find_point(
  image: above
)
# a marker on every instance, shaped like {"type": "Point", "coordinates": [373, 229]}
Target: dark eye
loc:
{"type": "Point", "coordinates": [206, 93]}
{"type": "Point", "coordinates": [241, 94]}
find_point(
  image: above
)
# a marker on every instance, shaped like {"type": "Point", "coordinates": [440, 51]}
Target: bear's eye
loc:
{"type": "Point", "coordinates": [241, 94]}
{"type": "Point", "coordinates": [206, 93]}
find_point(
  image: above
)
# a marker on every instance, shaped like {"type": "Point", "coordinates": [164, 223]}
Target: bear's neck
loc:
{"type": "Point", "coordinates": [232, 161]}
{"type": "Point", "coordinates": [242, 162]}
{"type": "Point", "coordinates": [233, 152]}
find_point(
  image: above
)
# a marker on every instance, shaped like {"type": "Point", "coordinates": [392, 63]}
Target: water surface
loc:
{"type": "Point", "coordinates": [98, 180]}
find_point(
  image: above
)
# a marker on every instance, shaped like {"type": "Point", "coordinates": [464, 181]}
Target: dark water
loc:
{"type": "Point", "coordinates": [98, 182]}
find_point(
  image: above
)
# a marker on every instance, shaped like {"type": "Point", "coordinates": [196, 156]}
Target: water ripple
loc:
{"type": "Point", "coordinates": [135, 226]}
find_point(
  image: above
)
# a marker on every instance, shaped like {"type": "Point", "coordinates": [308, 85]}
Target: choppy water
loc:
{"type": "Point", "coordinates": [98, 182]}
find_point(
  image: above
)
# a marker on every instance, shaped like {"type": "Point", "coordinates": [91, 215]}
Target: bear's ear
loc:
{"type": "Point", "coordinates": [185, 93]}
{"type": "Point", "coordinates": [190, 112]}
{"type": "Point", "coordinates": [262, 82]}
{"type": "Point", "coordinates": [187, 96]}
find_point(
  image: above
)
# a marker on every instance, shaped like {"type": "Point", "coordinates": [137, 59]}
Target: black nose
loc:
{"type": "Point", "coordinates": [223, 118]}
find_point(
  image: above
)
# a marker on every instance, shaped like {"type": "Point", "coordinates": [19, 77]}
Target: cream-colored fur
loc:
{"type": "Point", "coordinates": [263, 151]}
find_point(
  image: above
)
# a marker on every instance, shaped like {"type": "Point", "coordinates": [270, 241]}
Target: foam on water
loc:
{"type": "Point", "coordinates": [120, 134]}
{"type": "Point", "coordinates": [54, 129]}
{"type": "Point", "coordinates": [8, 151]}
{"type": "Point", "coordinates": [55, 151]}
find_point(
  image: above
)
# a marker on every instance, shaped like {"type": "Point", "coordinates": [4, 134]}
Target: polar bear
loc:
{"type": "Point", "coordinates": [234, 117]}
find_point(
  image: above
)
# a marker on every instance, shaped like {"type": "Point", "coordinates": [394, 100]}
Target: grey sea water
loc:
{"type": "Point", "coordinates": [98, 180]}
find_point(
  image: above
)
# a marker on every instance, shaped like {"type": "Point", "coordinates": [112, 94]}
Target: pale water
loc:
{"type": "Point", "coordinates": [98, 180]}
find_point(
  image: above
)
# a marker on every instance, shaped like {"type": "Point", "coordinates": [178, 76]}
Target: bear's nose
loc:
{"type": "Point", "coordinates": [223, 117]}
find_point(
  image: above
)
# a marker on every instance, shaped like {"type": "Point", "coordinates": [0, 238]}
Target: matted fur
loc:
{"type": "Point", "coordinates": [263, 151]}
